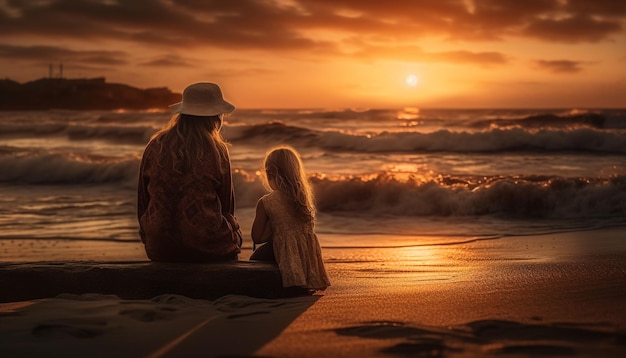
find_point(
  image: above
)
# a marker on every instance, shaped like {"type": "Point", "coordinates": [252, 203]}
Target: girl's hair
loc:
{"type": "Point", "coordinates": [284, 169]}
{"type": "Point", "coordinates": [185, 139]}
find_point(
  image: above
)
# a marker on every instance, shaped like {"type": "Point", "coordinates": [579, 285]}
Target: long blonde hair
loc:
{"type": "Point", "coordinates": [185, 139]}
{"type": "Point", "coordinates": [284, 169]}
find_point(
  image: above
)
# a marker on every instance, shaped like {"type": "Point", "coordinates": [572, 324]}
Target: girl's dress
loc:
{"type": "Point", "coordinates": [296, 247]}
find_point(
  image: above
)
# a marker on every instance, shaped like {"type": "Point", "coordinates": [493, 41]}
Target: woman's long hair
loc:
{"type": "Point", "coordinates": [284, 169]}
{"type": "Point", "coordinates": [184, 139]}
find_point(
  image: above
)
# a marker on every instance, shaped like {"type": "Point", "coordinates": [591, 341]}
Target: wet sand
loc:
{"type": "Point", "coordinates": [558, 294]}
{"type": "Point", "coordinates": [544, 295]}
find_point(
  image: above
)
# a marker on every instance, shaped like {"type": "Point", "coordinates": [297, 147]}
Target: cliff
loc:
{"type": "Point", "coordinates": [81, 94]}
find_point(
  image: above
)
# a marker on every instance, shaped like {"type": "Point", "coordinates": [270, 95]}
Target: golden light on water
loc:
{"type": "Point", "coordinates": [409, 114]}
{"type": "Point", "coordinates": [423, 264]}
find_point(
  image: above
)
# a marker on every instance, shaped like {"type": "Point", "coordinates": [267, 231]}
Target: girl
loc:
{"type": "Point", "coordinates": [185, 193]}
{"type": "Point", "coordinates": [284, 221]}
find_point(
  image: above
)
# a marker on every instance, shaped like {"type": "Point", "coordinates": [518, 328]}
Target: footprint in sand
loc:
{"type": "Point", "coordinates": [73, 328]}
{"type": "Point", "coordinates": [248, 314]}
{"type": "Point", "coordinates": [422, 342]}
{"type": "Point", "coordinates": [147, 315]}
{"type": "Point", "coordinates": [237, 303]}
{"type": "Point", "coordinates": [425, 348]}
{"type": "Point", "coordinates": [381, 330]}
{"type": "Point", "coordinates": [532, 349]}
{"type": "Point", "coordinates": [490, 336]}
{"type": "Point", "coordinates": [507, 330]}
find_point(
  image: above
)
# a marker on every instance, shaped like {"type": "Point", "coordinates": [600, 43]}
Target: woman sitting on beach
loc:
{"type": "Point", "coordinates": [284, 223]}
{"type": "Point", "coordinates": [185, 193]}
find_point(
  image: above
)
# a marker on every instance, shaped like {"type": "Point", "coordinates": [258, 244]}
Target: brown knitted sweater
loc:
{"type": "Point", "coordinates": [186, 217]}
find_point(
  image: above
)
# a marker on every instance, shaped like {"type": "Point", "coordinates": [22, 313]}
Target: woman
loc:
{"type": "Point", "coordinates": [185, 193]}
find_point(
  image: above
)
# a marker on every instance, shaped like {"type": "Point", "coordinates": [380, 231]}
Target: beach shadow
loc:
{"type": "Point", "coordinates": [164, 326]}
{"type": "Point", "coordinates": [492, 337]}
{"type": "Point", "coordinates": [241, 326]}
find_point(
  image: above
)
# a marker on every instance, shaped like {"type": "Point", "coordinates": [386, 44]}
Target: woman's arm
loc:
{"type": "Point", "coordinates": [261, 228]}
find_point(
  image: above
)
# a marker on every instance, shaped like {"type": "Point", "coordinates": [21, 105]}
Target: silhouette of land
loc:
{"type": "Point", "coordinates": [81, 94]}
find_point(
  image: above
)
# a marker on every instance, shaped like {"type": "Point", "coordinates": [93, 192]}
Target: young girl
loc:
{"type": "Point", "coordinates": [284, 222]}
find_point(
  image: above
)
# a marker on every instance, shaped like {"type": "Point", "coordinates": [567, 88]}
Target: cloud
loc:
{"type": "Point", "coordinates": [167, 61]}
{"type": "Point", "coordinates": [53, 53]}
{"type": "Point", "coordinates": [572, 29]}
{"type": "Point", "coordinates": [559, 66]}
{"type": "Point", "coordinates": [182, 24]}
{"type": "Point", "coordinates": [54, 30]}
{"type": "Point", "coordinates": [608, 8]}
{"type": "Point", "coordinates": [416, 54]}
{"type": "Point", "coordinates": [241, 73]}
{"type": "Point", "coordinates": [280, 25]}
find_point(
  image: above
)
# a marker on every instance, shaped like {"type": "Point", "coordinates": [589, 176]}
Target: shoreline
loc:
{"type": "Point", "coordinates": [33, 249]}
{"type": "Point", "coordinates": [553, 294]}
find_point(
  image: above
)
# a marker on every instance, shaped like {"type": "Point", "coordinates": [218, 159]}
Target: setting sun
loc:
{"type": "Point", "coordinates": [411, 80]}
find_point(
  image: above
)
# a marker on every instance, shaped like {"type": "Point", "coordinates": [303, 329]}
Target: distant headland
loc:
{"type": "Point", "coordinates": [81, 94]}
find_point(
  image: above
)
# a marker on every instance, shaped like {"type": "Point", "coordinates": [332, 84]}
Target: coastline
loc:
{"type": "Point", "coordinates": [552, 294]}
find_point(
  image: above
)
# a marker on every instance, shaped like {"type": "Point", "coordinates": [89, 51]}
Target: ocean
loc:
{"type": "Point", "coordinates": [381, 177]}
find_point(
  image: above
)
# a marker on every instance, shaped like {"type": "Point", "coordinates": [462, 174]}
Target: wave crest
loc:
{"type": "Point", "coordinates": [65, 168]}
{"type": "Point", "coordinates": [518, 197]}
{"type": "Point", "coordinates": [494, 140]}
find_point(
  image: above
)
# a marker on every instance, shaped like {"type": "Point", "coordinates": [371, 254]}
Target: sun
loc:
{"type": "Point", "coordinates": [411, 80]}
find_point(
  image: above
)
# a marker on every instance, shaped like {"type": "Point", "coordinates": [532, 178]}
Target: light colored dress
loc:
{"type": "Point", "coordinates": [296, 247]}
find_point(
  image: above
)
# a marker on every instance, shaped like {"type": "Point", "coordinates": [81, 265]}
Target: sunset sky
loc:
{"type": "Point", "coordinates": [333, 53]}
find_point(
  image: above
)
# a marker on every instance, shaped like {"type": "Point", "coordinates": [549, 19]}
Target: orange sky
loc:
{"type": "Point", "coordinates": [333, 53]}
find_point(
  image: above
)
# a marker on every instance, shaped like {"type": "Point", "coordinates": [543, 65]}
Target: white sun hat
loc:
{"type": "Point", "coordinates": [202, 99]}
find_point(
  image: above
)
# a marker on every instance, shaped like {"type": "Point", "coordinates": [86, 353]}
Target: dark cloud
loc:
{"type": "Point", "coordinates": [239, 24]}
{"type": "Point", "coordinates": [52, 53]}
{"type": "Point", "coordinates": [295, 25]}
{"type": "Point", "coordinates": [573, 29]}
{"type": "Point", "coordinates": [559, 66]}
{"type": "Point", "coordinates": [167, 61]}
{"type": "Point", "coordinates": [608, 8]}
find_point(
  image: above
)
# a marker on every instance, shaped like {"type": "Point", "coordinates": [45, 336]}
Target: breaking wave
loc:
{"type": "Point", "coordinates": [42, 167]}
{"type": "Point", "coordinates": [494, 140]}
{"type": "Point", "coordinates": [515, 196]}
{"type": "Point", "coordinates": [522, 197]}
{"type": "Point", "coordinates": [533, 197]}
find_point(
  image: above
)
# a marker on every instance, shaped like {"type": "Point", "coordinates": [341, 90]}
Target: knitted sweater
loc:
{"type": "Point", "coordinates": [189, 216]}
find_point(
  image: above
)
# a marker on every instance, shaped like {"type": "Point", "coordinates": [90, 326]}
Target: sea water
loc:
{"type": "Point", "coordinates": [381, 177]}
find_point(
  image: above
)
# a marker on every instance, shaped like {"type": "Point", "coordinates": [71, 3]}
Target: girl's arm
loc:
{"type": "Point", "coordinates": [261, 228]}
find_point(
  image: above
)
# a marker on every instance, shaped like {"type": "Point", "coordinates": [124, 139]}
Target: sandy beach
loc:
{"type": "Point", "coordinates": [545, 295]}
